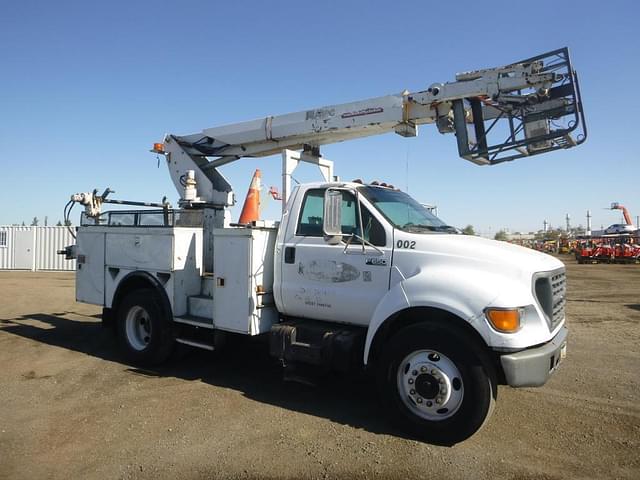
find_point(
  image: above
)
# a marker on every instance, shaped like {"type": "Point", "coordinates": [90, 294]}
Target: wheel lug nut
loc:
{"type": "Point", "coordinates": [441, 380]}
{"type": "Point", "coordinates": [419, 400]}
{"type": "Point", "coordinates": [434, 372]}
{"type": "Point", "coordinates": [423, 369]}
{"type": "Point", "coordinates": [411, 381]}
{"type": "Point", "coordinates": [429, 403]}
{"type": "Point", "coordinates": [439, 400]}
{"type": "Point", "coordinates": [414, 373]}
{"type": "Point", "coordinates": [412, 391]}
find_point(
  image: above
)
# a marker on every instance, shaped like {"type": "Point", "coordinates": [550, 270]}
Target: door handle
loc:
{"type": "Point", "coordinates": [289, 254]}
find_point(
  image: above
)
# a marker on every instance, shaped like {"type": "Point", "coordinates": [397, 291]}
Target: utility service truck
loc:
{"type": "Point", "coordinates": [354, 276]}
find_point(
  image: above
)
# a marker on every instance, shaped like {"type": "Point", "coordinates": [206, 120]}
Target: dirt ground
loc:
{"type": "Point", "coordinates": [71, 408]}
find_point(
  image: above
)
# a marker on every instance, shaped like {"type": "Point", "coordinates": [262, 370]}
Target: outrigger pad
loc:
{"type": "Point", "coordinates": [530, 121]}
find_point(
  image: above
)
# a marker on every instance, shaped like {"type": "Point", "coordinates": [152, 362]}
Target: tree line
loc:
{"type": "Point", "coordinates": [35, 222]}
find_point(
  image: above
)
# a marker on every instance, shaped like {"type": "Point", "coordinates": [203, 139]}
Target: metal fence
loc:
{"type": "Point", "coordinates": [34, 248]}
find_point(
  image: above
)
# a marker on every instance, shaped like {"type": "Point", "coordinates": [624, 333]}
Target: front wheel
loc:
{"type": "Point", "coordinates": [436, 384]}
{"type": "Point", "coordinates": [144, 331]}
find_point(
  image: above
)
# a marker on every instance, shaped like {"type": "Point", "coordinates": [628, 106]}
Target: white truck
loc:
{"type": "Point", "coordinates": [353, 276]}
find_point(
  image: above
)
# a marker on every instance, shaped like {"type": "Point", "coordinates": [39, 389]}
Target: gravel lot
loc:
{"type": "Point", "coordinates": [71, 408]}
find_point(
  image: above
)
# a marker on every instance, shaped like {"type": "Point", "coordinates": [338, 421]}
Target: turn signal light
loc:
{"type": "Point", "coordinates": [158, 148]}
{"type": "Point", "coordinates": [504, 320]}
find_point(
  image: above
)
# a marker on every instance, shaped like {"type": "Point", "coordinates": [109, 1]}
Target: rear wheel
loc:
{"type": "Point", "coordinates": [144, 330]}
{"type": "Point", "coordinates": [436, 384]}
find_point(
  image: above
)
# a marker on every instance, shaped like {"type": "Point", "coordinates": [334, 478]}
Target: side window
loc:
{"type": "Point", "coordinates": [310, 221]}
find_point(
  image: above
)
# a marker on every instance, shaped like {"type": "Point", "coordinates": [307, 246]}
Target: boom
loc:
{"type": "Point", "coordinates": [532, 106]}
{"type": "Point", "coordinates": [625, 212]}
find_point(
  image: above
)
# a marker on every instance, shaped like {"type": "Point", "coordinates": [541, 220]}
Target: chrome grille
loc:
{"type": "Point", "coordinates": [550, 290]}
{"type": "Point", "coordinates": [558, 292]}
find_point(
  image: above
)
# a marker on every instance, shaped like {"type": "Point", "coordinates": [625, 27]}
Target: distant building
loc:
{"type": "Point", "coordinates": [520, 236]}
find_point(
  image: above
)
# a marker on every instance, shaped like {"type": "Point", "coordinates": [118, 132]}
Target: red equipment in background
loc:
{"type": "Point", "coordinates": [609, 249]}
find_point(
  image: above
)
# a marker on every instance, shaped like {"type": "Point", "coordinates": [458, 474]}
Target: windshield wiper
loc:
{"type": "Point", "coordinates": [409, 226]}
{"type": "Point", "coordinates": [446, 228]}
{"type": "Point", "coordinates": [431, 228]}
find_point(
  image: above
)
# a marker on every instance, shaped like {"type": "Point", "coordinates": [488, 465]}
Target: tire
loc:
{"type": "Point", "coordinates": [144, 329]}
{"type": "Point", "coordinates": [425, 364]}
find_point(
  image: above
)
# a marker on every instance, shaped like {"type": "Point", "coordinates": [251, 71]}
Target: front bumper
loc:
{"type": "Point", "coordinates": [533, 367]}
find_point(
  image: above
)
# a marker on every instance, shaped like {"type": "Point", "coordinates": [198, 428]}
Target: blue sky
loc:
{"type": "Point", "coordinates": [87, 87]}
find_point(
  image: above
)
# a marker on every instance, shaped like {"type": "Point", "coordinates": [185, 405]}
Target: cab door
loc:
{"type": "Point", "coordinates": [340, 282]}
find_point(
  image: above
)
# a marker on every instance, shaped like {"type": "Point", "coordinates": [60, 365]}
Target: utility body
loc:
{"type": "Point", "coordinates": [353, 276]}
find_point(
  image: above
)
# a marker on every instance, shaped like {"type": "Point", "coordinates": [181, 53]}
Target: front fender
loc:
{"type": "Point", "coordinates": [455, 291]}
{"type": "Point", "coordinates": [394, 301]}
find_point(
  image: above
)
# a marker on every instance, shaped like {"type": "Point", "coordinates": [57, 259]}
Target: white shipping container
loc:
{"type": "Point", "coordinates": [34, 248]}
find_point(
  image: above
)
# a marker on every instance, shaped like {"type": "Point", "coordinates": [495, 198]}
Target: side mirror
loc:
{"type": "Point", "coordinates": [332, 221]}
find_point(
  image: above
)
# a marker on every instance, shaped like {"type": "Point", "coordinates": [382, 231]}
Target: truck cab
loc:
{"type": "Point", "coordinates": [392, 258]}
{"type": "Point", "coordinates": [447, 316]}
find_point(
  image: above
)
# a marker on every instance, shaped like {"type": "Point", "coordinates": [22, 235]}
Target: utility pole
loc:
{"type": "Point", "coordinates": [588, 232]}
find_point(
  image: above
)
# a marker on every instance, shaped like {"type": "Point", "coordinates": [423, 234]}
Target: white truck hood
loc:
{"type": "Point", "coordinates": [477, 259]}
{"type": "Point", "coordinates": [482, 253]}
{"type": "Point", "coordinates": [490, 251]}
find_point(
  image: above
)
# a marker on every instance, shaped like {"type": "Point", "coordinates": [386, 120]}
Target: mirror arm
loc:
{"type": "Point", "coordinates": [371, 245]}
{"type": "Point", "coordinates": [348, 243]}
{"type": "Point", "coordinates": [368, 243]}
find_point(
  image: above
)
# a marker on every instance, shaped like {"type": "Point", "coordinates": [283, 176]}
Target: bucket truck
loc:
{"type": "Point", "coordinates": [625, 212]}
{"type": "Point", "coordinates": [627, 227]}
{"type": "Point", "coordinates": [353, 276]}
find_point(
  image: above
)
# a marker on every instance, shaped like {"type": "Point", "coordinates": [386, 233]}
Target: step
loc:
{"type": "Point", "coordinates": [207, 286]}
{"type": "Point", "coordinates": [195, 321]}
{"type": "Point", "coordinates": [200, 306]}
{"type": "Point", "coordinates": [192, 343]}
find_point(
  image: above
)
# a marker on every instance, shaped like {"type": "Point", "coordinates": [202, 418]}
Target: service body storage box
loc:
{"type": "Point", "coordinates": [107, 254]}
{"type": "Point", "coordinates": [243, 286]}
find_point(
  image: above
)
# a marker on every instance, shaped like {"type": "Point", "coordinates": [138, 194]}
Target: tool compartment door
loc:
{"type": "Point", "coordinates": [90, 267]}
{"type": "Point", "coordinates": [231, 295]}
{"type": "Point", "coordinates": [242, 265]}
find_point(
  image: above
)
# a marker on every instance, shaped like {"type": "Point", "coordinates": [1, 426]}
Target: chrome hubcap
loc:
{"type": "Point", "coordinates": [430, 384]}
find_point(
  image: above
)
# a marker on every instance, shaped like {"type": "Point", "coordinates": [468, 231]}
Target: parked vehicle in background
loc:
{"type": "Point", "coordinates": [619, 228]}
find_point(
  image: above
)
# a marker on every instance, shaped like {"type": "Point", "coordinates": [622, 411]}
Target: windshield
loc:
{"type": "Point", "coordinates": [404, 212]}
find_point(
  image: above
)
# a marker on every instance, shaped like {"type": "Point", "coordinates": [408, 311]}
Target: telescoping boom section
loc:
{"type": "Point", "coordinates": [497, 114]}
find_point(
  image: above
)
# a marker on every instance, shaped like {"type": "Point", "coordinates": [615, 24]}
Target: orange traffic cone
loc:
{"type": "Point", "coordinates": [251, 207]}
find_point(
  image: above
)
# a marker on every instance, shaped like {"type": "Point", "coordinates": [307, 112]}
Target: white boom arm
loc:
{"type": "Point", "coordinates": [526, 95]}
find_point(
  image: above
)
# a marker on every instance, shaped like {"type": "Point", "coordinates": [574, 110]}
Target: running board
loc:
{"type": "Point", "coordinates": [195, 344]}
{"type": "Point", "coordinates": [195, 321]}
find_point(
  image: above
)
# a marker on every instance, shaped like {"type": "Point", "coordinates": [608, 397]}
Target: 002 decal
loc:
{"type": "Point", "coordinates": [411, 244]}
